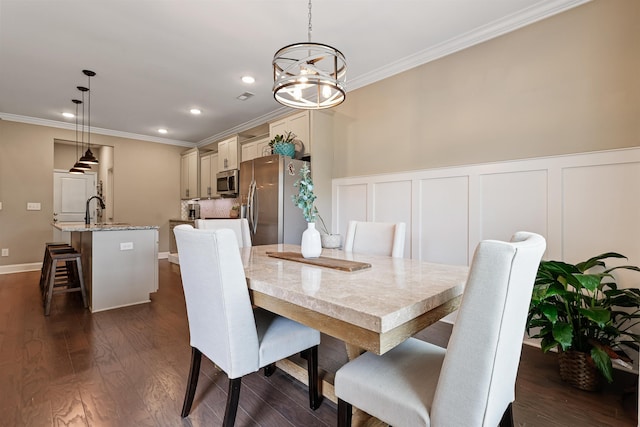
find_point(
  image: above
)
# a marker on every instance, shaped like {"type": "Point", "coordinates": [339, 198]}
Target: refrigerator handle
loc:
{"type": "Point", "coordinates": [250, 206]}
{"type": "Point", "coordinates": [254, 207]}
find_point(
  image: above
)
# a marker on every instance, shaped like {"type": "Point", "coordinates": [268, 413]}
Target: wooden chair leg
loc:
{"type": "Point", "coordinates": [507, 417]}
{"type": "Point", "coordinates": [192, 383]}
{"type": "Point", "coordinates": [233, 396]}
{"type": "Point", "coordinates": [269, 369]}
{"type": "Point", "coordinates": [344, 413]}
{"type": "Point", "coordinates": [315, 394]}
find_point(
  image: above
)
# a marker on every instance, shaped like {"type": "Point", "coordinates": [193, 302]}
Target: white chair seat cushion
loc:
{"type": "Point", "coordinates": [399, 386]}
{"type": "Point", "coordinates": [280, 337]}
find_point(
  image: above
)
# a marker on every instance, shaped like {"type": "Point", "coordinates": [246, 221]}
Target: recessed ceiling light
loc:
{"type": "Point", "coordinates": [69, 115]}
{"type": "Point", "coordinates": [162, 130]}
{"type": "Point", "coordinates": [195, 111]}
{"type": "Point", "coordinates": [248, 79]}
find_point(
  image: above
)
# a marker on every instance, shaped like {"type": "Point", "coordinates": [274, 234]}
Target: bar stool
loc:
{"type": "Point", "coordinates": [62, 273]}
{"type": "Point", "coordinates": [46, 263]}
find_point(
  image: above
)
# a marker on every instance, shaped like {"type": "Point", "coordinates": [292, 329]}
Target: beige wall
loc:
{"type": "Point", "coordinates": [146, 186]}
{"type": "Point", "coordinates": [566, 84]}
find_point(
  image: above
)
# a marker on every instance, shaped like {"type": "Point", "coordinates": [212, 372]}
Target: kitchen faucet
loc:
{"type": "Point", "coordinates": [87, 218]}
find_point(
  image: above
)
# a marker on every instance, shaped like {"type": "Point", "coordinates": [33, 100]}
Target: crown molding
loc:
{"type": "Point", "coordinates": [275, 114]}
{"type": "Point", "coordinates": [94, 130]}
{"type": "Point", "coordinates": [505, 25]}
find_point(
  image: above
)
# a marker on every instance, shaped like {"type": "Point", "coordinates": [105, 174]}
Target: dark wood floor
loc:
{"type": "Point", "coordinates": [129, 367]}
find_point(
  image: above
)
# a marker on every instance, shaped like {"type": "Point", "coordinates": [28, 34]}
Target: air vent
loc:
{"type": "Point", "coordinates": [245, 96]}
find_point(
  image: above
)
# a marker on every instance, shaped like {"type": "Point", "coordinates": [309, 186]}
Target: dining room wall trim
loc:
{"type": "Point", "coordinates": [583, 204]}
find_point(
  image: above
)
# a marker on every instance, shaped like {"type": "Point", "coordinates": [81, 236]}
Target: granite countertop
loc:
{"type": "Point", "coordinates": [105, 226]}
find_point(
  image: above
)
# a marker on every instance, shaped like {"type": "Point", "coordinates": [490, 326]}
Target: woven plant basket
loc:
{"type": "Point", "coordinates": [578, 369]}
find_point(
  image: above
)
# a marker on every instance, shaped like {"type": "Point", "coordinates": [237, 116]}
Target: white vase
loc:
{"type": "Point", "coordinates": [311, 246]}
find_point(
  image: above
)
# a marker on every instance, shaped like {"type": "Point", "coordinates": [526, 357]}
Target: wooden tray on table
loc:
{"type": "Point", "coordinates": [337, 264]}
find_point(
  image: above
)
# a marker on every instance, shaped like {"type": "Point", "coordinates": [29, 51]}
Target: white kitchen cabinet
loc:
{"type": "Point", "coordinates": [313, 128]}
{"type": "Point", "coordinates": [249, 151]}
{"type": "Point", "coordinates": [189, 174]}
{"type": "Point", "coordinates": [228, 154]}
{"type": "Point", "coordinates": [254, 149]}
{"type": "Point", "coordinates": [208, 170]}
{"type": "Point", "coordinates": [262, 147]}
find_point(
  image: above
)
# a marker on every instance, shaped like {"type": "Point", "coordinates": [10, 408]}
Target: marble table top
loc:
{"type": "Point", "coordinates": [106, 226]}
{"type": "Point", "coordinates": [389, 294]}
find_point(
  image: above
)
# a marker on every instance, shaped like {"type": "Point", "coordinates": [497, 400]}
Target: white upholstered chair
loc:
{"type": "Point", "coordinates": [375, 238]}
{"type": "Point", "coordinates": [472, 382]}
{"type": "Point", "coordinates": [239, 226]}
{"type": "Point", "coordinates": [222, 324]}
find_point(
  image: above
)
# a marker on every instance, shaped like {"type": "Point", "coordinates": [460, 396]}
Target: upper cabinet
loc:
{"type": "Point", "coordinates": [208, 170]}
{"type": "Point", "coordinates": [189, 174]}
{"type": "Point", "coordinates": [313, 128]}
{"type": "Point", "coordinates": [228, 154]}
{"type": "Point", "coordinates": [254, 149]}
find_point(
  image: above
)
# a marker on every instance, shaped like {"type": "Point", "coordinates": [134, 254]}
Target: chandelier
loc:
{"type": "Point", "coordinates": [309, 76]}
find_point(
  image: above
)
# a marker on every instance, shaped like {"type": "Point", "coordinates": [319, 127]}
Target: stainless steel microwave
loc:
{"type": "Point", "coordinates": [227, 183]}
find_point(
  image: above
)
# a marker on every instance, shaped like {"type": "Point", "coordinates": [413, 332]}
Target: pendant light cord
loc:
{"type": "Point", "coordinates": [309, 28]}
{"type": "Point", "coordinates": [77, 158]}
{"type": "Point", "coordinates": [89, 113]}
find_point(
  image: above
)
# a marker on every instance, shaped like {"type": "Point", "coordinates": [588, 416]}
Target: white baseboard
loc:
{"type": "Point", "coordinates": [20, 268]}
{"type": "Point", "coordinates": [36, 266]}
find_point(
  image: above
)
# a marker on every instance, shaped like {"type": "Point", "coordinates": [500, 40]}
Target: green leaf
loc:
{"type": "Point", "coordinates": [589, 281]}
{"type": "Point", "coordinates": [597, 315]}
{"type": "Point", "coordinates": [597, 260]}
{"type": "Point", "coordinates": [550, 312]}
{"type": "Point", "coordinates": [603, 362]}
{"type": "Point", "coordinates": [563, 334]}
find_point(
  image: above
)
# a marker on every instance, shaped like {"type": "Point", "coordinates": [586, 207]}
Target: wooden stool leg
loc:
{"type": "Point", "coordinates": [81, 281]}
{"type": "Point", "coordinates": [52, 279]}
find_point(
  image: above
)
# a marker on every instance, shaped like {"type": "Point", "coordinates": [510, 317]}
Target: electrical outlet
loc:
{"type": "Point", "coordinates": [126, 246]}
{"type": "Point", "coordinates": [5, 252]}
{"type": "Point", "coordinates": [33, 206]}
{"type": "Point", "coordinates": [0, 206]}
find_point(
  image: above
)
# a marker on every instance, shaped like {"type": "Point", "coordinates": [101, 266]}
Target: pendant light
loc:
{"type": "Point", "coordinates": [88, 157]}
{"type": "Point", "coordinates": [78, 168]}
{"type": "Point", "coordinates": [83, 164]}
{"type": "Point", "coordinates": [309, 76]}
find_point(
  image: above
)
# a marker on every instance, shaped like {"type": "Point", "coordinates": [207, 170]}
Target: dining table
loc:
{"type": "Point", "coordinates": [370, 302]}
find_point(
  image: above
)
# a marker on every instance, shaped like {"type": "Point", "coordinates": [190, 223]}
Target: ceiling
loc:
{"type": "Point", "coordinates": [157, 59]}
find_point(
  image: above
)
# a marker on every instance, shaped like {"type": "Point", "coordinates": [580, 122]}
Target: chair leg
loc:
{"type": "Point", "coordinates": [315, 394]}
{"type": "Point", "coordinates": [269, 369]}
{"type": "Point", "coordinates": [344, 413]}
{"type": "Point", "coordinates": [507, 417]}
{"type": "Point", "coordinates": [194, 371]}
{"type": "Point", "coordinates": [233, 396]}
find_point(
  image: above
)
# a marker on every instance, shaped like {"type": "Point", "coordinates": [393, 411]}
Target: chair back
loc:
{"type": "Point", "coordinates": [221, 321]}
{"type": "Point", "coordinates": [239, 226]}
{"type": "Point", "coordinates": [375, 238]}
{"type": "Point", "coordinates": [480, 367]}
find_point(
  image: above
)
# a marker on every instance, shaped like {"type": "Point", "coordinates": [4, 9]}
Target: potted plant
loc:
{"type": "Point", "coordinates": [579, 310]}
{"type": "Point", "coordinates": [235, 211]}
{"type": "Point", "coordinates": [283, 144]}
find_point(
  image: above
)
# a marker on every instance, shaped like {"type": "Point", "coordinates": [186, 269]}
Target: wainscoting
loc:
{"type": "Point", "coordinates": [584, 204]}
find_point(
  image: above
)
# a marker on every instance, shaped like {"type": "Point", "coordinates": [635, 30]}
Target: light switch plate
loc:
{"type": "Point", "coordinates": [31, 206]}
{"type": "Point", "coordinates": [126, 246]}
{"type": "Point", "coordinates": [0, 206]}
{"type": "Point", "coordinates": [5, 252]}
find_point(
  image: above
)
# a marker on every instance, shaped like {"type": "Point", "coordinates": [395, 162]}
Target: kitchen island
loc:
{"type": "Point", "coordinates": [120, 262]}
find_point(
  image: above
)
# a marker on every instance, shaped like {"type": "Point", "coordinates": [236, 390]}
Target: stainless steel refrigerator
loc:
{"type": "Point", "coordinates": [266, 187]}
